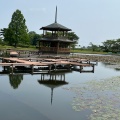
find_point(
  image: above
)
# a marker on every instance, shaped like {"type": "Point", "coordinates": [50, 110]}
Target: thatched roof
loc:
{"type": "Point", "coordinates": [55, 26]}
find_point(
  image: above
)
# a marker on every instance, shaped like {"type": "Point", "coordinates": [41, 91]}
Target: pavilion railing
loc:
{"type": "Point", "coordinates": [53, 49]}
{"type": "Point", "coordinates": [56, 37]}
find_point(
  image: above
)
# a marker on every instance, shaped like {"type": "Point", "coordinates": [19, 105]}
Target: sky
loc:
{"type": "Point", "coordinates": [92, 20]}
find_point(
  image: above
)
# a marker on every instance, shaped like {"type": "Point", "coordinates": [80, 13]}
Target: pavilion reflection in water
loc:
{"type": "Point", "coordinates": [52, 81]}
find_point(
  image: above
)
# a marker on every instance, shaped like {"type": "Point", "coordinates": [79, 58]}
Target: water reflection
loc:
{"type": "Point", "coordinates": [52, 81]}
{"type": "Point", "coordinates": [114, 66]}
{"type": "Point", "coordinates": [15, 80]}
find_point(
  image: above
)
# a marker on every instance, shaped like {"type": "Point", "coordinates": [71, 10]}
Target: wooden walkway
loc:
{"type": "Point", "coordinates": [45, 62]}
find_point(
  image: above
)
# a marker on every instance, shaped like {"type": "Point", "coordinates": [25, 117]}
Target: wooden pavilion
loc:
{"type": "Point", "coordinates": [55, 39]}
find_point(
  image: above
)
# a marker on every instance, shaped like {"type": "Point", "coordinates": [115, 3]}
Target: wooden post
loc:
{"type": "Point", "coordinates": [96, 62]}
{"type": "Point", "coordinates": [50, 76]}
{"type": "Point", "coordinates": [4, 68]}
{"type": "Point", "coordinates": [61, 77]}
{"type": "Point", "coordinates": [32, 66]}
{"type": "Point", "coordinates": [80, 68]}
{"type": "Point", "coordinates": [12, 68]}
{"type": "Point", "coordinates": [64, 77]}
{"type": "Point", "coordinates": [55, 67]}
{"type": "Point", "coordinates": [70, 67]}
{"type": "Point", "coordinates": [49, 68]}
{"type": "Point", "coordinates": [88, 62]}
{"type": "Point", "coordinates": [55, 78]}
{"type": "Point", "coordinates": [93, 68]}
{"type": "Point", "coordinates": [41, 77]}
{"type": "Point", "coordinates": [2, 60]}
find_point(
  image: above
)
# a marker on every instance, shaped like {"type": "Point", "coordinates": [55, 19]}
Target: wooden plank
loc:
{"type": "Point", "coordinates": [47, 63]}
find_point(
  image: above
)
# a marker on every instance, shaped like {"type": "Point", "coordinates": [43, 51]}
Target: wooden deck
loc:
{"type": "Point", "coordinates": [45, 62]}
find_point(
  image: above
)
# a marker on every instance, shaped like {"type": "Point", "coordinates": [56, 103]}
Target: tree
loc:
{"type": "Point", "coordinates": [34, 37]}
{"type": "Point", "coordinates": [17, 31]}
{"type": "Point", "coordinates": [117, 45]}
{"type": "Point", "coordinates": [0, 40]}
{"type": "Point", "coordinates": [72, 36]}
{"type": "Point", "coordinates": [108, 45]}
{"type": "Point", "coordinates": [2, 31]}
{"type": "Point", "coordinates": [93, 47]}
{"type": "Point", "coordinates": [8, 36]}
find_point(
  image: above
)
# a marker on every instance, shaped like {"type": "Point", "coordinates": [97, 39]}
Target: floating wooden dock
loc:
{"type": "Point", "coordinates": [49, 64]}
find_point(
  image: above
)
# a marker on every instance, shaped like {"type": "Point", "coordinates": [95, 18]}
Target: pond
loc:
{"type": "Point", "coordinates": [24, 97]}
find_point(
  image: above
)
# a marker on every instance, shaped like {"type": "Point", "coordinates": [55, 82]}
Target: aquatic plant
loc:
{"type": "Point", "coordinates": [101, 97]}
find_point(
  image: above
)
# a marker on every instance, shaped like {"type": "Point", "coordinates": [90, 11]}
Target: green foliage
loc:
{"type": "Point", "coordinates": [111, 45]}
{"type": "Point", "coordinates": [94, 47]}
{"type": "Point", "coordinates": [2, 31]}
{"type": "Point", "coordinates": [17, 31]}
{"type": "Point", "coordinates": [73, 36]}
{"type": "Point", "coordinates": [0, 41]}
{"type": "Point", "coordinates": [34, 37]}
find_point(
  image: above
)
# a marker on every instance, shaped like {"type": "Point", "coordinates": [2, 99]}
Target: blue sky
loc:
{"type": "Point", "coordinates": [92, 20]}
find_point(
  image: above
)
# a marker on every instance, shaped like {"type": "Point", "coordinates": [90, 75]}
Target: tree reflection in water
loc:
{"type": "Point", "coordinates": [15, 80]}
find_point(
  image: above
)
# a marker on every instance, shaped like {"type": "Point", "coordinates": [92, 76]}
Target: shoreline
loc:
{"type": "Point", "coordinates": [100, 58]}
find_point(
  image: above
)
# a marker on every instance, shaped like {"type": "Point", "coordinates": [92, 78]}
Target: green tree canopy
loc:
{"type": "Point", "coordinates": [94, 47]}
{"type": "Point", "coordinates": [17, 31]}
{"type": "Point", "coordinates": [73, 36]}
{"type": "Point", "coordinates": [34, 37]}
{"type": "Point", "coordinates": [111, 45]}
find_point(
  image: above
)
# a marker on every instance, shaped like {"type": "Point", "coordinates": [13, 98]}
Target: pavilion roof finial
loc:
{"type": "Point", "coordinates": [56, 15]}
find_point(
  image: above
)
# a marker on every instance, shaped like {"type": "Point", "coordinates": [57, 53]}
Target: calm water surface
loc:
{"type": "Point", "coordinates": [22, 97]}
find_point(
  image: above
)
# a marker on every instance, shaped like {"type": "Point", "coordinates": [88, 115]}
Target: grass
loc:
{"type": "Point", "coordinates": [5, 47]}
{"type": "Point", "coordinates": [87, 51]}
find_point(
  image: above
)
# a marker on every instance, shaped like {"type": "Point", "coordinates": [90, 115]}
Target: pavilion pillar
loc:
{"type": "Point", "coordinates": [57, 47]}
{"type": "Point", "coordinates": [57, 34]}
{"type": "Point", "coordinates": [66, 34]}
{"type": "Point", "coordinates": [43, 32]}
{"type": "Point", "coordinates": [63, 33]}
{"type": "Point", "coordinates": [39, 45]}
{"type": "Point", "coordinates": [52, 33]}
